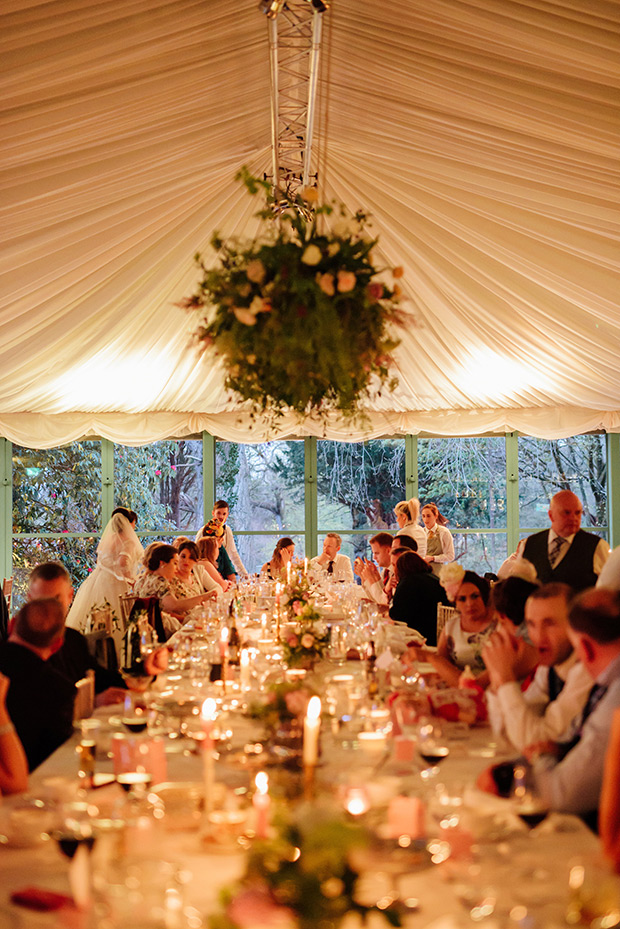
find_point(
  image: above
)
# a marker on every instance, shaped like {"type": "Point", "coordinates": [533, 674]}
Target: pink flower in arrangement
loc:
{"type": "Point", "coordinates": [293, 641]}
{"type": "Point", "coordinates": [375, 290]}
{"type": "Point", "coordinates": [307, 640]}
{"type": "Point", "coordinates": [346, 281]}
{"type": "Point", "coordinates": [244, 315]}
{"type": "Point", "coordinates": [256, 907]}
{"type": "Point", "coordinates": [298, 606]}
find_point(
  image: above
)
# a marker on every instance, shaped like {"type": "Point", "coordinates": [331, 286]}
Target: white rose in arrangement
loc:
{"type": "Point", "coordinates": [451, 577]}
{"type": "Point", "coordinates": [312, 255]}
{"type": "Point", "coordinates": [255, 271]}
{"type": "Point", "coordinates": [307, 640]}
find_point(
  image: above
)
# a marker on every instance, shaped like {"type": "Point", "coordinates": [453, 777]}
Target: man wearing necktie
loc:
{"type": "Point", "coordinates": [565, 553]}
{"type": "Point", "coordinates": [561, 684]}
{"type": "Point", "coordinates": [375, 574]}
{"type": "Point", "coordinates": [574, 784]}
{"type": "Point", "coordinates": [337, 566]}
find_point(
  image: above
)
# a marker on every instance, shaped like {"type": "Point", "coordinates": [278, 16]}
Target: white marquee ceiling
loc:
{"type": "Point", "coordinates": [483, 136]}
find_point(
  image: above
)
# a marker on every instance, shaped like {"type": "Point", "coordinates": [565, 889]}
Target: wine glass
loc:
{"type": "Point", "coordinates": [75, 827]}
{"type": "Point", "coordinates": [432, 748]}
{"type": "Point", "coordinates": [135, 712]}
{"type": "Point", "coordinates": [525, 797]}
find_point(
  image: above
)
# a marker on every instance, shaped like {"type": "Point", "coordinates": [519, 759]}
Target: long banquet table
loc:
{"type": "Point", "coordinates": [508, 877]}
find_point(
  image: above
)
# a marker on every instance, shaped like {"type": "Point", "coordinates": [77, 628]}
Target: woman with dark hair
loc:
{"type": "Point", "coordinates": [417, 594]}
{"type": "Point", "coordinates": [282, 555]}
{"type": "Point", "coordinates": [439, 541]}
{"type": "Point", "coordinates": [157, 582]}
{"type": "Point", "coordinates": [463, 637]}
{"type": "Point", "coordinates": [187, 581]}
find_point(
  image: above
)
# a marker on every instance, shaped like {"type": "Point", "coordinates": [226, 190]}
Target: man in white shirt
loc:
{"type": "Point", "coordinates": [330, 562]}
{"type": "Point", "coordinates": [565, 553]}
{"type": "Point", "coordinates": [375, 574]}
{"type": "Point", "coordinates": [561, 683]}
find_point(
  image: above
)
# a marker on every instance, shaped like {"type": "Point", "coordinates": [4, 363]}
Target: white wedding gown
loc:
{"type": "Point", "coordinates": [118, 555]}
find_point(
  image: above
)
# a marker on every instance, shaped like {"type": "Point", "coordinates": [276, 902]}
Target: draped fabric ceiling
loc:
{"type": "Point", "coordinates": [482, 136]}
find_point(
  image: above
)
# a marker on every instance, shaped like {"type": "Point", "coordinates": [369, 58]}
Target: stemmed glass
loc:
{"type": "Point", "coordinates": [526, 800]}
{"type": "Point", "coordinates": [432, 748]}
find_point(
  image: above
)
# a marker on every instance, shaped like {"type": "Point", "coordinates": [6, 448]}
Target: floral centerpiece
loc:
{"type": "Point", "coordinates": [284, 702]}
{"type": "Point", "coordinates": [305, 646]}
{"type": "Point", "coordinates": [298, 597]}
{"type": "Point", "coordinates": [304, 878]}
{"type": "Point", "coordinates": [298, 315]}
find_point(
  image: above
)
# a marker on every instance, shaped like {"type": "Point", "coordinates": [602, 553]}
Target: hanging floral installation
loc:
{"type": "Point", "coordinates": [299, 316]}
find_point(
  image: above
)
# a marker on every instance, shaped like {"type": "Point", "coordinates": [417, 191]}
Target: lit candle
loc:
{"type": "Point", "coordinates": [288, 572]}
{"type": "Point", "coordinates": [356, 802]}
{"type": "Point", "coordinates": [208, 714]}
{"type": "Point", "coordinates": [263, 623]}
{"type": "Point", "coordinates": [261, 803]}
{"type": "Point", "coordinates": [312, 725]}
{"type": "Point", "coordinates": [305, 566]}
{"type": "Point", "coordinates": [245, 669]}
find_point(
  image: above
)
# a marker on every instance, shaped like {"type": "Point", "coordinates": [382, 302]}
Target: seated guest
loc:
{"type": "Point", "coordinates": [178, 541]}
{"type": "Point", "coordinates": [565, 552]}
{"type": "Point", "coordinates": [39, 699]}
{"type": "Point", "coordinates": [417, 594]}
{"type": "Point", "coordinates": [463, 637]}
{"type": "Point", "coordinates": [508, 598]}
{"type": "Point", "coordinates": [561, 684]}
{"type": "Point", "coordinates": [573, 782]}
{"type": "Point", "coordinates": [157, 582]}
{"type": "Point", "coordinates": [220, 513]}
{"type": "Point", "coordinates": [208, 550]}
{"type": "Point", "coordinates": [331, 562]}
{"type": "Point", "coordinates": [373, 582]}
{"type": "Point", "coordinates": [188, 582]}
{"type": "Point", "coordinates": [214, 530]}
{"type": "Point", "coordinates": [13, 761]}
{"type": "Point", "coordinates": [407, 514]}
{"type": "Point", "coordinates": [439, 541]}
{"type": "Point", "coordinates": [275, 568]}
{"type": "Point", "coordinates": [72, 658]}
{"type": "Point", "coordinates": [569, 773]}
{"type": "Point", "coordinates": [609, 813]}
{"type": "Point", "coordinates": [400, 544]}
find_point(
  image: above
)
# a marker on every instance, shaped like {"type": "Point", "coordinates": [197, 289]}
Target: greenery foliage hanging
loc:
{"type": "Point", "coordinates": [298, 315]}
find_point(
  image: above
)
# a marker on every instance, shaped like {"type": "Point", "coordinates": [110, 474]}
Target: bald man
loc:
{"type": "Point", "coordinates": [565, 553]}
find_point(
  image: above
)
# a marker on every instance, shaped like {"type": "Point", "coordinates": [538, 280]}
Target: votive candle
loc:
{"type": "Point", "coordinates": [312, 726]}
{"type": "Point", "coordinates": [261, 803]}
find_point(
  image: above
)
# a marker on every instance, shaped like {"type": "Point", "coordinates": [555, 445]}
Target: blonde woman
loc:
{"type": "Point", "coordinates": [407, 514]}
{"type": "Point", "coordinates": [439, 541]}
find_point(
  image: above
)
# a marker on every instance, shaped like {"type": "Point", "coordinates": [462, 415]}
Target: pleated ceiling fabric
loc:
{"type": "Point", "coordinates": [482, 136]}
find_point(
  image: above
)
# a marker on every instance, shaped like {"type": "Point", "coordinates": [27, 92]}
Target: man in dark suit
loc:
{"type": "Point", "coordinates": [40, 699]}
{"type": "Point", "coordinates": [565, 553]}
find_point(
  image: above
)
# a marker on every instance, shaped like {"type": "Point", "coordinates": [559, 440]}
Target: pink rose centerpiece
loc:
{"type": "Point", "coordinates": [298, 315]}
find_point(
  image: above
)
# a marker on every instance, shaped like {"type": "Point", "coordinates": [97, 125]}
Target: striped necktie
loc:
{"type": "Point", "coordinates": [555, 550]}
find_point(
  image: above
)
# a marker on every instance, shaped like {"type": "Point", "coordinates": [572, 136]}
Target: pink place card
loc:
{"type": "Point", "coordinates": [149, 754]}
{"type": "Point", "coordinates": [406, 816]}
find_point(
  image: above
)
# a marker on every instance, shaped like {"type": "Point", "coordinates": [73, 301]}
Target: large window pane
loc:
{"type": "Point", "coordinates": [359, 483]}
{"type": "Point", "coordinates": [481, 552]}
{"type": "Point", "coordinates": [57, 489]}
{"type": "Point", "coordinates": [466, 478]}
{"type": "Point", "coordinates": [578, 463]}
{"type": "Point", "coordinates": [162, 482]}
{"type": "Point", "coordinates": [263, 485]}
{"type": "Point", "coordinates": [78, 556]}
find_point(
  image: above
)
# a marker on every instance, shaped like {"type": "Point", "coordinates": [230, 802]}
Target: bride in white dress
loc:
{"type": "Point", "coordinates": [118, 555]}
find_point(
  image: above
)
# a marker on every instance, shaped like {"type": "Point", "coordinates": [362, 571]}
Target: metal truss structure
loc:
{"type": "Point", "coordinates": [294, 49]}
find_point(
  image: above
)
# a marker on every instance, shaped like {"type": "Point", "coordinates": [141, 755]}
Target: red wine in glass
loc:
{"type": "Point", "coordinates": [134, 723]}
{"type": "Point", "coordinates": [131, 779]}
{"type": "Point", "coordinates": [433, 756]}
{"type": "Point", "coordinates": [69, 842]}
